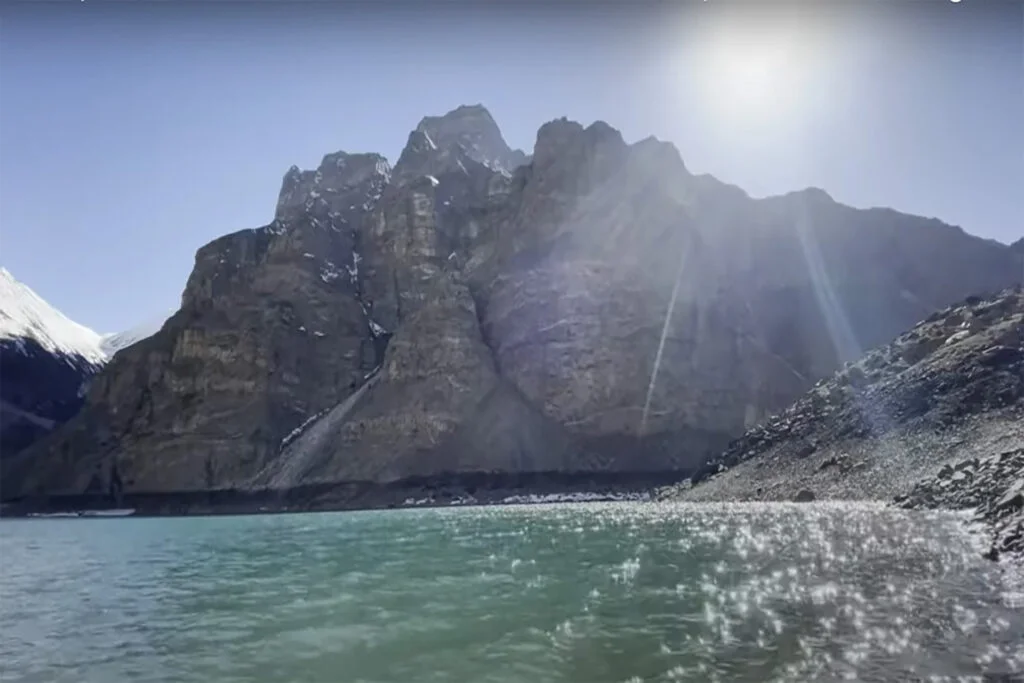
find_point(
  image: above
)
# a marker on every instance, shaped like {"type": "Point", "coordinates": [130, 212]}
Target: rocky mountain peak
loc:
{"type": "Point", "coordinates": [472, 130]}
{"type": "Point", "coordinates": [658, 153]}
{"type": "Point", "coordinates": [335, 186]}
{"type": "Point", "coordinates": [564, 141]}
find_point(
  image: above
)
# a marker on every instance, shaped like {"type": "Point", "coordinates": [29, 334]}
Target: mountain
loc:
{"type": "Point", "coordinates": [592, 307]}
{"type": "Point", "coordinates": [114, 342]}
{"type": "Point", "coordinates": [934, 419]}
{"type": "Point", "coordinates": [46, 361]}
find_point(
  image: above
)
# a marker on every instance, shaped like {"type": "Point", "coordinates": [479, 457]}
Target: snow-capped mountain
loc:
{"type": "Point", "coordinates": [114, 342]}
{"type": "Point", "coordinates": [46, 363]}
{"type": "Point", "coordinates": [25, 316]}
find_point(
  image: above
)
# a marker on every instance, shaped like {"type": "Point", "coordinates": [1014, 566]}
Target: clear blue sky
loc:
{"type": "Point", "coordinates": [133, 133]}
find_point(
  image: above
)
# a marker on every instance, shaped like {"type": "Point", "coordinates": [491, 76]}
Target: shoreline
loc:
{"type": "Point", "coordinates": [446, 490]}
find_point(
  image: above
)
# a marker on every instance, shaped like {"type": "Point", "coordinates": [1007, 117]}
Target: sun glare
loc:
{"type": "Point", "coordinates": [752, 78]}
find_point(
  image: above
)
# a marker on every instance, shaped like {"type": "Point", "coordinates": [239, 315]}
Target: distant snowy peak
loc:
{"type": "Point", "coordinates": [24, 315]}
{"type": "Point", "coordinates": [112, 343]}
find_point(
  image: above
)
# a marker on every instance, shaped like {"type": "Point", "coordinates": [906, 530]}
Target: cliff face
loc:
{"type": "Point", "coordinates": [592, 307]}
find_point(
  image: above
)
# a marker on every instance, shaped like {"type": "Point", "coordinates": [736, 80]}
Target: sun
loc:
{"type": "Point", "coordinates": [750, 73]}
{"type": "Point", "coordinates": [749, 78]}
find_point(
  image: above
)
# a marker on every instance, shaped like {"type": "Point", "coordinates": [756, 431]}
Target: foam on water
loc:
{"type": "Point", "coordinates": [593, 593]}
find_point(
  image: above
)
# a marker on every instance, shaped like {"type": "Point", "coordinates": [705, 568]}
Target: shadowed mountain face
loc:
{"type": "Point", "coordinates": [46, 363]}
{"type": "Point", "coordinates": [594, 306]}
{"type": "Point", "coordinates": [39, 390]}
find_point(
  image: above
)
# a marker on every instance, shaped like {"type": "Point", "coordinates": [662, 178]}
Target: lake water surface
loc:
{"type": "Point", "coordinates": [589, 593]}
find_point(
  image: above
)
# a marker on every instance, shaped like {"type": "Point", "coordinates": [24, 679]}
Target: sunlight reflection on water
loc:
{"type": "Point", "coordinates": [590, 593]}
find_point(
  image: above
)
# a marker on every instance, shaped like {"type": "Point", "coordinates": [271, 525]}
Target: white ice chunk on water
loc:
{"type": "Point", "coordinates": [377, 330]}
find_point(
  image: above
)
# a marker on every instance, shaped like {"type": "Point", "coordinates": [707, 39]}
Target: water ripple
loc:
{"type": "Point", "coordinates": [589, 593]}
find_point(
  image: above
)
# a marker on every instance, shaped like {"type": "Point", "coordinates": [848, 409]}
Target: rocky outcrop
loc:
{"type": "Point", "coordinates": [270, 330]}
{"type": "Point", "coordinates": [992, 487]}
{"type": "Point", "coordinates": [594, 307]}
{"type": "Point", "coordinates": [934, 419]}
{"type": "Point", "coordinates": [962, 361]}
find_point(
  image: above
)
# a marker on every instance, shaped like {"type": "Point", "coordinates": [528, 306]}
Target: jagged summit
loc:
{"type": "Point", "coordinates": [660, 152]}
{"type": "Point", "coordinates": [472, 129]}
{"type": "Point", "coordinates": [329, 188]}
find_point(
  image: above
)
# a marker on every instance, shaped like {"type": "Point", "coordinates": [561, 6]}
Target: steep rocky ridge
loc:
{"type": "Point", "coordinates": [951, 387]}
{"type": "Point", "coordinates": [474, 309]}
{"type": "Point", "coordinates": [934, 419]}
{"type": "Point", "coordinates": [270, 330]}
